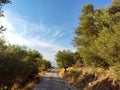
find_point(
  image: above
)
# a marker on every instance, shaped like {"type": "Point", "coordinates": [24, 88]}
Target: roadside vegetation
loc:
{"type": "Point", "coordinates": [94, 66]}
{"type": "Point", "coordinates": [98, 49]}
{"type": "Point", "coordinates": [19, 65]}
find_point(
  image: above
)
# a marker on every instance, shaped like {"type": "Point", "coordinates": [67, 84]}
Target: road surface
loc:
{"type": "Point", "coordinates": [51, 81]}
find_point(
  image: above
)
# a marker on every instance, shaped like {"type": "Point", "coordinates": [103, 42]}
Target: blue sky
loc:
{"type": "Point", "coordinates": [45, 25]}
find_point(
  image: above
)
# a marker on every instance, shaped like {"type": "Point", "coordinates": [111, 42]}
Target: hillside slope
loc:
{"type": "Point", "coordinates": [85, 78]}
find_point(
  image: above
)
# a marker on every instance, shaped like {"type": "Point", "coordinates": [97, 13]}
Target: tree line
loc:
{"type": "Point", "coordinates": [18, 65]}
{"type": "Point", "coordinates": [98, 37]}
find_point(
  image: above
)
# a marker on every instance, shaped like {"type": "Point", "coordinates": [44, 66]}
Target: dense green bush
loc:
{"type": "Point", "coordinates": [65, 58]}
{"type": "Point", "coordinates": [44, 65]}
{"type": "Point", "coordinates": [98, 36]}
{"type": "Point", "coordinates": [19, 65]}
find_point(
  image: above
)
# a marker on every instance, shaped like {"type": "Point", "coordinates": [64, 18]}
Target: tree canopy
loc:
{"type": "Point", "coordinates": [65, 58]}
{"type": "Point", "coordinates": [19, 64]}
{"type": "Point", "coordinates": [98, 35]}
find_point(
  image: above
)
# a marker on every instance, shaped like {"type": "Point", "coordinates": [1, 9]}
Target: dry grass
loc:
{"type": "Point", "coordinates": [61, 73]}
{"type": "Point", "coordinates": [31, 84]}
{"type": "Point", "coordinates": [76, 76]}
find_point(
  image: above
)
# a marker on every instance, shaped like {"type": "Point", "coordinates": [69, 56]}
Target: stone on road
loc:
{"type": "Point", "coordinates": [51, 81]}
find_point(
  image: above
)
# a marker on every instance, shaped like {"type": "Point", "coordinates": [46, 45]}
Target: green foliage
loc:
{"type": "Point", "coordinates": [19, 65]}
{"type": "Point", "coordinates": [76, 57]}
{"type": "Point", "coordinates": [78, 60]}
{"type": "Point", "coordinates": [87, 30]}
{"type": "Point", "coordinates": [98, 35]}
{"type": "Point", "coordinates": [115, 7]}
{"type": "Point", "coordinates": [65, 58]}
{"type": "Point", "coordinates": [44, 65]}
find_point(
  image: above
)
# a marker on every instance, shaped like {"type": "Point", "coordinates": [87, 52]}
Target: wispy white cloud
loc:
{"type": "Point", "coordinates": [22, 31]}
{"type": "Point", "coordinates": [36, 36]}
{"type": "Point", "coordinates": [30, 29]}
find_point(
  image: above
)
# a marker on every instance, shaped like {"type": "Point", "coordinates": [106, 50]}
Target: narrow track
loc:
{"type": "Point", "coordinates": [51, 81]}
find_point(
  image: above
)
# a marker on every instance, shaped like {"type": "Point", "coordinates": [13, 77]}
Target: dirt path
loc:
{"type": "Point", "coordinates": [51, 81]}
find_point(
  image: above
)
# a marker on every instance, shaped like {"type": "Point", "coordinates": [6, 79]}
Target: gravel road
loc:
{"type": "Point", "coordinates": [51, 81]}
